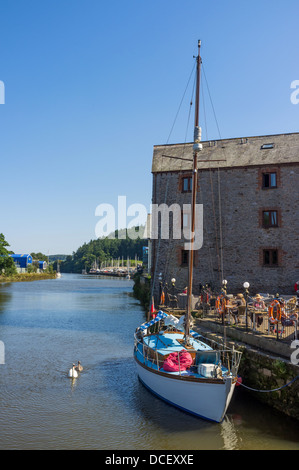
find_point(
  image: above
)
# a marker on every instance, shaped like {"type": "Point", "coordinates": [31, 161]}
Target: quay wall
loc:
{"type": "Point", "coordinates": [265, 367]}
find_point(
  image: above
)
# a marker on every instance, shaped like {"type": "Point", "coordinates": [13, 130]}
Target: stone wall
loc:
{"type": "Point", "coordinates": [265, 372]}
{"type": "Point", "coordinates": [266, 369]}
{"type": "Point", "coordinates": [233, 236]}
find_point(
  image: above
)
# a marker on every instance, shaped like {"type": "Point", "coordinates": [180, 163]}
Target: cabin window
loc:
{"type": "Point", "coordinates": [186, 184]}
{"type": "Point", "coordinates": [270, 219]}
{"type": "Point", "coordinates": [269, 180]}
{"type": "Point", "coordinates": [270, 257]}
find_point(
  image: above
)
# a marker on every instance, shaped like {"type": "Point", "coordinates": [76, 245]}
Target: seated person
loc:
{"type": "Point", "coordinates": [238, 302]}
{"type": "Point", "coordinates": [258, 302]}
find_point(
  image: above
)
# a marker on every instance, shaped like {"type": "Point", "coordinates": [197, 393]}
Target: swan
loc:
{"type": "Point", "coordinates": [79, 368]}
{"type": "Point", "coordinates": [72, 372]}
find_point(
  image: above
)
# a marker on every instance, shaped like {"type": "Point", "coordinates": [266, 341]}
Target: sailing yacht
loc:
{"type": "Point", "coordinates": [128, 269]}
{"type": "Point", "coordinates": [174, 362]}
{"type": "Point", "coordinates": [58, 273]}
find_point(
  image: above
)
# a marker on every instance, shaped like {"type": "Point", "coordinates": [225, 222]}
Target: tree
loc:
{"type": "Point", "coordinates": [39, 256]}
{"type": "Point", "coordinates": [102, 250]}
{"type": "Point", "coordinates": [7, 265]}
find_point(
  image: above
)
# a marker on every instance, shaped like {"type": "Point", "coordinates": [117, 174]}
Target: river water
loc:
{"type": "Point", "coordinates": [47, 325]}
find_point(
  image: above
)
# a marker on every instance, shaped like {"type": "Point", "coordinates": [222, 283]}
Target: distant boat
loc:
{"type": "Point", "coordinates": [58, 273]}
{"type": "Point", "coordinates": [128, 269]}
{"type": "Point", "coordinates": [177, 364]}
{"type": "Point", "coordinates": [95, 269]}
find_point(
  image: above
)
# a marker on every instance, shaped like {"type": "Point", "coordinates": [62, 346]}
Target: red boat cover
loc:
{"type": "Point", "coordinates": [171, 364]}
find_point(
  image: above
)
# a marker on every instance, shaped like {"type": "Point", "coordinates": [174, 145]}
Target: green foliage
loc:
{"type": "Point", "coordinates": [50, 269]}
{"type": "Point", "coordinates": [24, 277]}
{"type": "Point", "coordinates": [279, 367]}
{"type": "Point", "coordinates": [102, 250]}
{"type": "Point", "coordinates": [141, 290]}
{"type": "Point", "coordinates": [39, 256]}
{"type": "Point", "coordinates": [32, 268]}
{"type": "Point", "coordinates": [7, 265]}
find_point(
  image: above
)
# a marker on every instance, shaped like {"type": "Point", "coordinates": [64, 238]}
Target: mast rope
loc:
{"type": "Point", "coordinates": [184, 147]}
{"type": "Point", "coordinates": [201, 192]}
{"type": "Point", "coordinates": [167, 186]}
{"type": "Point", "coordinates": [220, 227]}
{"type": "Point", "coordinates": [274, 389]}
{"type": "Point", "coordinates": [219, 249]}
{"type": "Point", "coordinates": [218, 253]}
{"type": "Point", "coordinates": [180, 105]}
{"type": "Point", "coordinates": [211, 102]}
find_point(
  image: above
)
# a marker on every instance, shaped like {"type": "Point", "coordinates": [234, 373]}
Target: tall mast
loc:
{"type": "Point", "coordinates": [197, 146]}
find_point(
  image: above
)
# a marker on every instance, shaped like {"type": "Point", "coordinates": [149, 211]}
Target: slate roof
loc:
{"type": "Point", "coordinates": [237, 152]}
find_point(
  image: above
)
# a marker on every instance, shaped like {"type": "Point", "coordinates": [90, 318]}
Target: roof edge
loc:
{"type": "Point", "coordinates": [230, 138]}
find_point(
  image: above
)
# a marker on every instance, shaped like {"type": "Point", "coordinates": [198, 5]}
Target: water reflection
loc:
{"type": "Point", "coordinates": [48, 325]}
{"type": "Point", "coordinates": [229, 434]}
{"type": "Point", "coordinates": [5, 296]}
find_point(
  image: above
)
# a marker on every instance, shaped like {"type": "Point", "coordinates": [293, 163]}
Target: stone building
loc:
{"type": "Point", "coordinates": [249, 189]}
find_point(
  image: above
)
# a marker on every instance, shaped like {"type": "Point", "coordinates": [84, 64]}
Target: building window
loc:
{"type": "Point", "coordinates": [185, 257]}
{"type": "Point", "coordinates": [270, 219]}
{"type": "Point", "coordinates": [267, 146]}
{"type": "Point", "coordinates": [185, 220]}
{"type": "Point", "coordinates": [186, 184]}
{"type": "Point", "coordinates": [270, 257]}
{"type": "Point", "coordinates": [269, 180]}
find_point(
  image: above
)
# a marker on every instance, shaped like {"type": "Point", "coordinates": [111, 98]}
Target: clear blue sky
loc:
{"type": "Point", "coordinates": [91, 86]}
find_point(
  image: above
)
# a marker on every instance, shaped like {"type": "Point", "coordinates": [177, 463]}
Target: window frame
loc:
{"type": "Point", "coordinates": [270, 224]}
{"type": "Point", "coordinates": [189, 184]}
{"type": "Point", "coordinates": [269, 174]}
{"type": "Point", "coordinates": [270, 252]}
{"type": "Point", "coordinates": [184, 253]}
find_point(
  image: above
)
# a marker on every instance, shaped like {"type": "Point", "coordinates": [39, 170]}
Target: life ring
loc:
{"type": "Point", "coordinates": [272, 319]}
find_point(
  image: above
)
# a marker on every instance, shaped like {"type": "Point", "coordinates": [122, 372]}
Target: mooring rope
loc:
{"type": "Point", "coordinates": [274, 389]}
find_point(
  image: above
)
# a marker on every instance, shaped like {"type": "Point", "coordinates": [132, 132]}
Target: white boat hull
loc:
{"type": "Point", "coordinates": [207, 399]}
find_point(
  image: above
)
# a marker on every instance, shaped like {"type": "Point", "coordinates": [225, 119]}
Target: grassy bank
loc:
{"type": "Point", "coordinates": [26, 277]}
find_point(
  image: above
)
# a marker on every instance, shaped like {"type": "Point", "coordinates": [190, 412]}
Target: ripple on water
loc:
{"type": "Point", "coordinates": [46, 326]}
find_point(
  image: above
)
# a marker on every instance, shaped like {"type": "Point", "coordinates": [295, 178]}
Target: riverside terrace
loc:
{"type": "Point", "coordinates": [265, 321]}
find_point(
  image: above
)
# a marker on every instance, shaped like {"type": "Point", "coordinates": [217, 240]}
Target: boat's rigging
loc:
{"type": "Point", "coordinates": [174, 362]}
{"type": "Point", "coordinates": [180, 105]}
{"type": "Point", "coordinates": [219, 249]}
{"type": "Point", "coordinates": [218, 237]}
{"type": "Point", "coordinates": [168, 176]}
{"type": "Point", "coordinates": [190, 108]}
{"type": "Point", "coordinates": [220, 227]}
{"type": "Point", "coordinates": [215, 117]}
{"type": "Point", "coordinates": [191, 159]}
{"type": "Point", "coordinates": [195, 83]}
{"type": "Point", "coordinates": [197, 147]}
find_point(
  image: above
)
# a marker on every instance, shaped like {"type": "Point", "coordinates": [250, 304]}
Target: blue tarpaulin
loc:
{"type": "Point", "coordinates": [160, 315]}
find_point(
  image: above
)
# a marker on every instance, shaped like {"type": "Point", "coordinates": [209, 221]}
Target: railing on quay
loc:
{"type": "Point", "coordinates": [277, 320]}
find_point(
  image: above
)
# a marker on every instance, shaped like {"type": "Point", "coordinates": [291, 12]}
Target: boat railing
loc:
{"type": "Point", "coordinates": [228, 359]}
